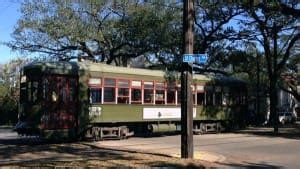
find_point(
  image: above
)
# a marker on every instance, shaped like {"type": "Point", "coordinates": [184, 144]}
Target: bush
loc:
{"type": "Point", "coordinates": [8, 111]}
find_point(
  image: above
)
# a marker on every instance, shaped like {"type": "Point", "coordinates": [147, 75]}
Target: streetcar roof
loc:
{"type": "Point", "coordinates": [63, 67]}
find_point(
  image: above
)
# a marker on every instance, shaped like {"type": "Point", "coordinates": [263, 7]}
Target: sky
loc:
{"type": "Point", "coordinates": [9, 15]}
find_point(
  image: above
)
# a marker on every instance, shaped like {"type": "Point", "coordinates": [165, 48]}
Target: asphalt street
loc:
{"type": "Point", "coordinates": [255, 147]}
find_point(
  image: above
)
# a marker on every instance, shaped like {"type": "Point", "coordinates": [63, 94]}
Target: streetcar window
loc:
{"type": "Point", "coordinates": [136, 92]}
{"type": "Point", "coordinates": [109, 90]}
{"type": "Point", "coordinates": [45, 89]}
{"type": "Point", "coordinates": [209, 98]}
{"type": "Point", "coordinates": [171, 93]}
{"type": "Point", "coordinates": [218, 98]}
{"type": "Point", "coordinates": [95, 95]}
{"type": "Point", "coordinates": [148, 95]}
{"type": "Point", "coordinates": [160, 93]}
{"type": "Point", "coordinates": [109, 94]}
{"type": "Point", "coordinates": [148, 85]}
{"type": "Point", "coordinates": [23, 92]}
{"type": "Point", "coordinates": [148, 92]}
{"type": "Point", "coordinates": [64, 90]}
{"type": "Point", "coordinates": [159, 97]}
{"type": "Point", "coordinates": [200, 98]}
{"type": "Point", "coordinates": [178, 94]}
{"type": "Point", "coordinates": [193, 94]}
{"type": "Point", "coordinates": [123, 95]}
{"type": "Point", "coordinates": [171, 96]}
{"type": "Point", "coordinates": [226, 97]}
{"type": "Point", "coordinates": [136, 96]}
{"type": "Point", "coordinates": [123, 91]}
{"type": "Point", "coordinates": [109, 82]}
{"type": "Point", "coordinates": [34, 91]}
{"type": "Point", "coordinates": [194, 98]}
{"type": "Point", "coordinates": [136, 84]}
{"type": "Point", "coordinates": [95, 82]}
{"type": "Point", "coordinates": [72, 90]}
{"type": "Point", "coordinates": [123, 83]}
{"type": "Point", "coordinates": [29, 91]}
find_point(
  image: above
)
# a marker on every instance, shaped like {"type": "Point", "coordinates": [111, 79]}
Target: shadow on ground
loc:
{"type": "Point", "coordinates": [250, 165]}
{"type": "Point", "coordinates": [291, 131]}
{"type": "Point", "coordinates": [34, 152]}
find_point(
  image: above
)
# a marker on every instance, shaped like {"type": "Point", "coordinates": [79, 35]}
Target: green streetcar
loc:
{"type": "Point", "coordinates": [95, 100]}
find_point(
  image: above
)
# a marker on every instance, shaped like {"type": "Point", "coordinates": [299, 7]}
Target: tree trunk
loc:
{"type": "Point", "coordinates": [273, 104]}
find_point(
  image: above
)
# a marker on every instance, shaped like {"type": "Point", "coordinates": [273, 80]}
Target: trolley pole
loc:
{"type": "Point", "coordinates": [187, 150]}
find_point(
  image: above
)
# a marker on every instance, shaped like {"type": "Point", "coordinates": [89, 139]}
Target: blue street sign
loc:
{"type": "Point", "coordinates": [189, 58]}
{"type": "Point", "coordinates": [202, 58]}
{"type": "Point", "coordinates": [195, 58]}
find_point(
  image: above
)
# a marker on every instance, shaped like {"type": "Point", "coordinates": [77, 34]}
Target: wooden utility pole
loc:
{"type": "Point", "coordinates": [187, 150]}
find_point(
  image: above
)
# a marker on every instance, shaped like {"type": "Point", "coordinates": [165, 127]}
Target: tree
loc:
{"type": "Point", "coordinates": [9, 90]}
{"type": "Point", "coordinates": [276, 33]}
{"type": "Point", "coordinates": [215, 32]}
{"type": "Point", "coordinates": [110, 31]}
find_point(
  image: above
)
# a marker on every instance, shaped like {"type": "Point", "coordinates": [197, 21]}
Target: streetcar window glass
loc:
{"type": "Point", "coordinates": [159, 93]}
{"type": "Point", "coordinates": [136, 96]}
{"type": "Point", "coordinates": [218, 96]}
{"type": "Point", "coordinates": [95, 82]}
{"type": "Point", "coordinates": [123, 83]}
{"type": "Point", "coordinates": [45, 89]}
{"type": "Point", "coordinates": [209, 98]}
{"type": "Point", "coordinates": [109, 82]}
{"type": "Point", "coordinates": [171, 92]}
{"type": "Point", "coordinates": [123, 91]}
{"type": "Point", "coordinates": [29, 91]}
{"type": "Point", "coordinates": [160, 86]}
{"type": "Point", "coordinates": [160, 97]}
{"type": "Point", "coordinates": [123, 95]}
{"type": "Point", "coordinates": [148, 85]}
{"type": "Point", "coordinates": [136, 84]}
{"type": "Point", "coordinates": [178, 94]}
{"type": "Point", "coordinates": [109, 90]}
{"type": "Point", "coordinates": [23, 92]}
{"type": "Point", "coordinates": [193, 94]}
{"type": "Point", "coordinates": [95, 95]}
{"type": "Point", "coordinates": [171, 96]}
{"type": "Point", "coordinates": [64, 90]}
{"type": "Point", "coordinates": [136, 92]}
{"type": "Point", "coordinates": [200, 88]}
{"type": "Point", "coordinates": [109, 94]}
{"type": "Point", "coordinates": [34, 91]}
{"type": "Point", "coordinates": [148, 95]}
{"type": "Point", "coordinates": [226, 98]}
{"type": "Point", "coordinates": [200, 98]}
{"type": "Point", "coordinates": [148, 92]}
{"type": "Point", "coordinates": [73, 91]}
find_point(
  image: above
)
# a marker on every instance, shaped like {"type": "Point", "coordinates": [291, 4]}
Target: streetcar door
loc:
{"type": "Point", "coordinates": [60, 102]}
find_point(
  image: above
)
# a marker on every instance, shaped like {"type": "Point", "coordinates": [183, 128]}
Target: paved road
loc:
{"type": "Point", "coordinates": [255, 147]}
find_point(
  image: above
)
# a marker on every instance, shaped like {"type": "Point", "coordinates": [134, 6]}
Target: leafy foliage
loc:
{"type": "Point", "coordinates": [100, 30]}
